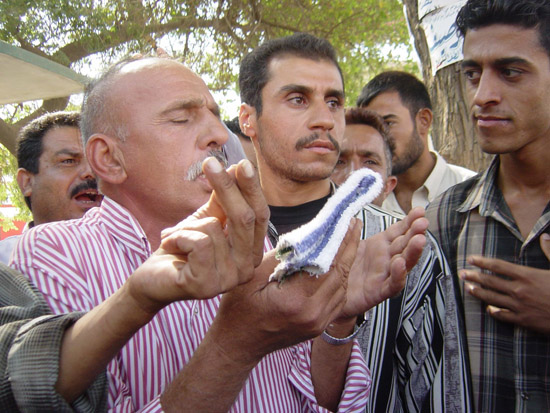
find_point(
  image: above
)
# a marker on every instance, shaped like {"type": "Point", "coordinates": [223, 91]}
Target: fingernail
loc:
{"type": "Point", "coordinates": [545, 236]}
{"type": "Point", "coordinates": [213, 165]}
{"type": "Point", "coordinates": [248, 169]}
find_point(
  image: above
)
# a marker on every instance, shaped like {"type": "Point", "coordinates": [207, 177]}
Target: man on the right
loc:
{"type": "Point", "coordinates": [422, 174]}
{"type": "Point", "coordinates": [492, 226]}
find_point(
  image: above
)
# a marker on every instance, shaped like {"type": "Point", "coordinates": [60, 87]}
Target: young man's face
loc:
{"type": "Point", "coordinates": [507, 75]}
{"type": "Point", "coordinates": [408, 143]}
{"type": "Point", "coordinates": [302, 122]}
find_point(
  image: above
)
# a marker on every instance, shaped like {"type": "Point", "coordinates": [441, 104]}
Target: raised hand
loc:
{"type": "Point", "coordinates": [383, 261]}
{"type": "Point", "coordinates": [259, 317]}
{"type": "Point", "coordinates": [213, 250]}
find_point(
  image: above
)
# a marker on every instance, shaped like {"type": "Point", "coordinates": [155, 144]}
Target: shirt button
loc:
{"type": "Point", "coordinates": [196, 311]}
{"type": "Point", "coordinates": [524, 395]}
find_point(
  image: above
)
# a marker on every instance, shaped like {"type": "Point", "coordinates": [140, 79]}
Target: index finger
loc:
{"type": "Point", "coordinates": [498, 266]}
{"type": "Point", "coordinates": [243, 205]}
{"type": "Point", "coordinates": [250, 187]}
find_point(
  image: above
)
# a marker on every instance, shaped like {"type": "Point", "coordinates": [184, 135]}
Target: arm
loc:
{"type": "Point", "coordinates": [379, 272]}
{"type": "Point", "coordinates": [194, 261]}
{"type": "Point", "coordinates": [258, 318]}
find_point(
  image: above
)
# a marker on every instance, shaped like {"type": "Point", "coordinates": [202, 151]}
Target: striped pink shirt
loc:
{"type": "Point", "coordinates": [77, 264]}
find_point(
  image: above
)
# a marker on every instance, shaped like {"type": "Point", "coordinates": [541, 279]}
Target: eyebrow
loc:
{"type": "Point", "coordinates": [190, 104]}
{"type": "Point", "coordinates": [498, 62]}
{"type": "Point", "coordinates": [69, 152]}
{"type": "Point", "coordinates": [346, 152]}
{"type": "Point", "coordinates": [307, 90]}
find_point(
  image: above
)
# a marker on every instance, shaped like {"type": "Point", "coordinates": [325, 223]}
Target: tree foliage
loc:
{"type": "Point", "coordinates": [210, 36]}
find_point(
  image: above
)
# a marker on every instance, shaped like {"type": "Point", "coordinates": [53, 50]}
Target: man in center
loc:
{"type": "Point", "coordinates": [293, 109]}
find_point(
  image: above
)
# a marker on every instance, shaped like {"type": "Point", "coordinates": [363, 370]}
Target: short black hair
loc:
{"type": "Point", "coordinates": [528, 14]}
{"type": "Point", "coordinates": [29, 145]}
{"type": "Point", "coordinates": [254, 75]}
{"type": "Point", "coordinates": [233, 126]}
{"type": "Point", "coordinates": [362, 116]}
{"type": "Point", "coordinates": [412, 92]}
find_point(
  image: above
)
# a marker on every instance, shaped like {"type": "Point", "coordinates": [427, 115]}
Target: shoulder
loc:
{"type": "Point", "coordinates": [453, 197]}
{"type": "Point", "coordinates": [460, 172]}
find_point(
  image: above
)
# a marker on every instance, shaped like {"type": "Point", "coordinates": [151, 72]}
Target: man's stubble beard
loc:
{"type": "Point", "coordinates": [412, 153]}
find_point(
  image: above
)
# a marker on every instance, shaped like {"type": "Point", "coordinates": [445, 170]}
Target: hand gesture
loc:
{"type": "Point", "coordinates": [383, 261]}
{"type": "Point", "coordinates": [259, 317]}
{"type": "Point", "coordinates": [516, 294]}
{"type": "Point", "coordinates": [213, 250]}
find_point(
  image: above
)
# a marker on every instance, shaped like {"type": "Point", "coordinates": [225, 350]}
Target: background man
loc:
{"type": "Point", "coordinates": [53, 173]}
{"type": "Point", "coordinates": [404, 103]}
{"type": "Point", "coordinates": [293, 94]}
{"type": "Point", "coordinates": [493, 227]}
{"type": "Point", "coordinates": [148, 126]}
{"type": "Point", "coordinates": [366, 144]}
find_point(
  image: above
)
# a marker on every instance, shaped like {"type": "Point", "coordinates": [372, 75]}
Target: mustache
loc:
{"type": "Point", "coordinates": [306, 140]}
{"type": "Point", "coordinates": [83, 186]}
{"type": "Point", "coordinates": [195, 170]}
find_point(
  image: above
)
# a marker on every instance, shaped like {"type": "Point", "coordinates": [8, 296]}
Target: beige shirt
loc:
{"type": "Point", "coordinates": [443, 176]}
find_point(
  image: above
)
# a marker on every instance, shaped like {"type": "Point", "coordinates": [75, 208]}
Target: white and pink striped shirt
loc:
{"type": "Point", "coordinates": [77, 264]}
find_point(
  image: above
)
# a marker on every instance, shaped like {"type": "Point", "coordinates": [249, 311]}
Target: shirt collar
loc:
{"type": "Point", "coordinates": [484, 193]}
{"type": "Point", "coordinates": [123, 226]}
{"type": "Point", "coordinates": [433, 182]}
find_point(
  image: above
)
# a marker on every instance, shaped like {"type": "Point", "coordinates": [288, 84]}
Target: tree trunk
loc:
{"type": "Point", "coordinates": [452, 132]}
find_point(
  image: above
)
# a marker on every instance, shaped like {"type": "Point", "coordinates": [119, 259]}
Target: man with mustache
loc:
{"type": "Point", "coordinates": [146, 122]}
{"type": "Point", "coordinates": [494, 227]}
{"type": "Point", "coordinates": [292, 91]}
{"type": "Point", "coordinates": [53, 173]}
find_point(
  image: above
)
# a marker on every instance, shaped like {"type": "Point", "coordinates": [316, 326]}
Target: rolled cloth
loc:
{"type": "Point", "coordinates": [312, 246]}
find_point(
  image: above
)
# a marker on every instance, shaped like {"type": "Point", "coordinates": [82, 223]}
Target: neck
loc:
{"type": "Point", "coordinates": [414, 177]}
{"type": "Point", "coordinates": [525, 170]}
{"type": "Point", "coordinates": [152, 220]}
{"type": "Point", "coordinates": [284, 192]}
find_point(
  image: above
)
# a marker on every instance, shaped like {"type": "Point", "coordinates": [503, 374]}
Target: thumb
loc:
{"type": "Point", "coordinates": [545, 244]}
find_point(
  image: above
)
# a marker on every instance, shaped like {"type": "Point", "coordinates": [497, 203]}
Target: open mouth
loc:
{"type": "Point", "coordinates": [89, 196]}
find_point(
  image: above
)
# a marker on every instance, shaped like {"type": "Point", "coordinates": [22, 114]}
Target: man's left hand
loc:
{"type": "Point", "coordinates": [383, 261]}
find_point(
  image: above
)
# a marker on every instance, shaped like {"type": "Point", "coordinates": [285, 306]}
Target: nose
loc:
{"type": "Point", "coordinates": [487, 90]}
{"type": "Point", "coordinates": [213, 134]}
{"type": "Point", "coordinates": [322, 116]}
{"type": "Point", "coordinates": [86, 171]}
{"type": "Point", "coordinates": [354, 165]}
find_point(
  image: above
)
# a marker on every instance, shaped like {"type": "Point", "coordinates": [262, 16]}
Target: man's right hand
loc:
{"type": "Point", "coordinates": [211, 251]}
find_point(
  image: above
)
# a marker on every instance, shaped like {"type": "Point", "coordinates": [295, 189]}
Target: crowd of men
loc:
{"type": "Point", "coordinates": [143, 282]}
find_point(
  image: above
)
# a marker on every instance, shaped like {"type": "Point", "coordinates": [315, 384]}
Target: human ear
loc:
{"type": "Point", "coordinates": [25, 180]}
{"type": "Point", "coordinates": [424, 119]}
{"type": "Point", "coordinates": [391, 182]}
{"type": "Point", "coordinates": [106, 158]}
{"type": "Point", "coordinates": [248, 121]}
